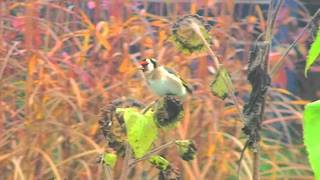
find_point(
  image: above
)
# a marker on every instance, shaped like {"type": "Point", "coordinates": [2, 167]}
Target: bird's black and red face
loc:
{"type": "Point", "coordinates": [148, 65]}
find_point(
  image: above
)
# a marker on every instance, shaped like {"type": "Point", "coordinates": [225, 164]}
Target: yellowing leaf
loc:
{"type": "Point", "coordinates": [283, 91]}
{"type": "Point", "coordinates": [102, 32]}
{"type": "Point", "coordinates": [148, 42]}
{"type": "Point", "coordinates": [125, 65]}
{"type": "Point", "coordinates": [211, 150]}
{"type": "Point", "coordinates": [193, 8]}
{"type": "Point", "coordinates": [229, 111]}
{"type": "Point", "coordinates": [162, 37]}
{"type": "Point", "coordinates": [103, 28]}
{"type": "Point", "coordinates": [299, 102]}
{"type": "Point", "coordinates": [158, 23]}
{"type": "Point", "coordinates": [32, 63]}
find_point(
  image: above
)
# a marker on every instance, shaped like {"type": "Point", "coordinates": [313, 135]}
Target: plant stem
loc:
{"type": "Point", "coordinates": [108, 173]}
{"type": "Point", "coordinates": [216, 61]}
{"type": "Point", "coordinates": [268, 37]}
{"type": "Point", "coordinates": [126, 168]}
{"type": "Point", "coordinates": [149, 106]}
{"type": "Point", "coordinates": [218, 65]}
{"type": "Point", "coordinates": [256, 164]}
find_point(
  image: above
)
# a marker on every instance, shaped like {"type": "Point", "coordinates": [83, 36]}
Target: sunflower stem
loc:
{"type": "Point", "coordinates": [217, 63]}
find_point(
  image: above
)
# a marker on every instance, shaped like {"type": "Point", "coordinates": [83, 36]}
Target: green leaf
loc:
{"type": "Point", "coordinates": [313, 54]}
{"type": "Point", "coordinates": [311, 133]}
{"type": "Point", "coordinates": [109, 159]}
{"type": "Point", "coordinates": [141, 130]}
{"type": "Point", "coordinates": [219, 86]}
{"type": "Point", "coordinates": [160, 162]}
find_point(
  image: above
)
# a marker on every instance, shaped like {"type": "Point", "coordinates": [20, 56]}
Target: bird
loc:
{"type": "Point", "coordinates": [163, 81]}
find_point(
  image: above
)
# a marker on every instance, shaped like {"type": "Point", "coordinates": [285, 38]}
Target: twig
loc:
{"type": "Point", "coordinates": [6, 59]}
{"type": "Point", "coordinates": [149, 106]}
{"type": "Point", "coordinates": [241, 158]}
{"type": "Point", "coordinates": [282, 59]}
{"type": "Point", "coordinates": [256, 163]}
{"type": "Point", "coordinates": [108, 173]}
{"type": "Point", "coordinates": [126, 168]}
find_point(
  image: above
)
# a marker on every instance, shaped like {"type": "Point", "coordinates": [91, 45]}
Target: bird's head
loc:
{"type": "Point", "coordinates": [148, 65]}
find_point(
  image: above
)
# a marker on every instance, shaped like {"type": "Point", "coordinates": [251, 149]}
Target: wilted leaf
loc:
{"type": "Point", "coordinates": [219, 86]}
{"type": "Point", "coordinates": [260, 81]}
{"type": "Point", "coordinates": [313, 54]}
{"type": "Point", "coordinates": [109, 159]}
{"type": "Point", "coordinates": [141, 130]}
{"type": "Point", "coordinates": [311, 133]}
{"type": "Point", "coordinates": [159, 162]}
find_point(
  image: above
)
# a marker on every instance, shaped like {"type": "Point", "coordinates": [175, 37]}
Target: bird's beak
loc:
{"type": "Point", "coordinates": [142, 65]}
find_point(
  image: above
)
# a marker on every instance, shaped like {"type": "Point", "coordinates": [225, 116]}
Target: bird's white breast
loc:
{"type": "Point", "coordinates": [166, 84]}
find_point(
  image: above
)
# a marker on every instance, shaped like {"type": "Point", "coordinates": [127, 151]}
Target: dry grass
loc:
{"type": "Point", "coordinates": [58, 67]}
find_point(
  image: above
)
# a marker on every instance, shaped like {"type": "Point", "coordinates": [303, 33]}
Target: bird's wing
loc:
{"type": "Point", "coordinates": [185, 84]}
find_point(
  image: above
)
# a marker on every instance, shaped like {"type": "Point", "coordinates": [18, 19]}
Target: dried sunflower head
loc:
{"type": "Point", "coordinates": [186, 38]}
{"type": "Point", "coordinates": [160, 162]}
{"type": "Point", "coordinates": [186, 149]}
{"type": "Point", "coordinates": [112, 124]}
{"type": "Point", "coordinates": [172, 173]}
{"type": "Point", "coordinates": [168, 111]}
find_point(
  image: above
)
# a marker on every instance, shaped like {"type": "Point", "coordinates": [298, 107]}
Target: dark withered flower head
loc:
{"type": "Point", "coordinates": [186, 38]}
{"type": "Point", "coordinates": [160, 162]}
{"type": "Point", "coordinates": [186, 149]}
{"type": "Point", "coordinates": [172, 173]}
{"type": "Point", "coordinates": [168, 111]}
{"type": "Point", "coordinates": [112, 123]}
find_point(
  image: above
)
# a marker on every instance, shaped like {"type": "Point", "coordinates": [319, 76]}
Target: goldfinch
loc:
{"type": "Point", "coordinates": [163, 81]}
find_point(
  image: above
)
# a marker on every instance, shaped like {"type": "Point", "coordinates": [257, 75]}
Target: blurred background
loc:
{"type": "Point", "coordinates": [61, 61]}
